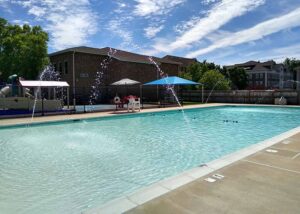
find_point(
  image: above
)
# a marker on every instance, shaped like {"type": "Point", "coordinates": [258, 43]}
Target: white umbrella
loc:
{"type": "Point", "coordinates": [126, 81]}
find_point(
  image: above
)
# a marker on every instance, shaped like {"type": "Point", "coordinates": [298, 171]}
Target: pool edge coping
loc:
{"type": "Point", "coordinates": [148, 193]}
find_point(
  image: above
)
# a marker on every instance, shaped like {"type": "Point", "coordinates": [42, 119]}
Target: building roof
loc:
{"type": "Point", "coordinates": [81, 49]}
{"type": "Point", "coordinates": [183, 60]}
{"type": "Point", "coordinates": [119, 54]}
{"type": "Point", "coordinates": [249, 63]}
{"type": "Point", "coordinates": [269, 63]}
{"type": "Point", "coordinates": [260, 67]}
{"type": "Point", "coordinates": [255, 65]}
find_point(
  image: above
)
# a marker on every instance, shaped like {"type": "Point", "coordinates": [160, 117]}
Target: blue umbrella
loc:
{"type": "Point", "coordinates": [172, 81]}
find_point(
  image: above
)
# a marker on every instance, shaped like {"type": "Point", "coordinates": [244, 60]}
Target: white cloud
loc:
{"type": "Point", "coordinates": [184, 26]}
{"type": "Point", "coordinates": [146, 8]}
{"type": "Point", "coordinates": [69, 23]}
{"type": "Point", "coordinates": [279, 54]}
{"type": "Point", "coordinates": [20, 22]}
{"type": "Point", "coordinates": [37, 11]}
{"type": "Point", "coordinates": [205, 2]}
{"type": "Point", "coordinates": [121, 6]}
{"type": "Point", "coordinates": [197, 28]}
{"type": "Point", "coordinates": [5, 5]}
{"type": "Point", "coordinates": [116, 27]}
{"type": "Point", "coordinates": [257, 32]}
{"type": "Point", "coordinates": [151, 31]}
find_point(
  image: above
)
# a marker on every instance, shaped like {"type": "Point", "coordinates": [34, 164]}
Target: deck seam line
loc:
{"type": "Point", "coordinates": [294, 157]}
{"type": "Point", "coordinates": [270, 166]}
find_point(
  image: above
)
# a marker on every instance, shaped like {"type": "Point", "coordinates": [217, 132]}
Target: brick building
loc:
{"type": "Point", "coordinates": [298, 77]}
{"type": "Point", "coordinates": [78, 66]}
{"type": "Point", "coordinates": [185, 62]}
{"type": "Point", "coordinates": [266, 75]}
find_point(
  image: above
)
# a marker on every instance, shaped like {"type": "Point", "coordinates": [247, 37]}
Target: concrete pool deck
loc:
{"type": "Point", "coordinates": [265, 182]}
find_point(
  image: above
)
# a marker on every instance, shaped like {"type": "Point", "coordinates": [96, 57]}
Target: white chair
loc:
{"type": "Point", "coordinates": [134, 103]}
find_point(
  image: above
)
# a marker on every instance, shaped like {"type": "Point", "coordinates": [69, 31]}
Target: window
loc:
{"type": "Point", "coordinates": [84, 75]}
{"type": "Point", "coordinates": [55, 67]}
{"type": "Point", "coordinates": [261, 76]}
{"type": "Point", "coordinates": [66, 67]}
{"type": "Point", "coordinates": [60, 68]}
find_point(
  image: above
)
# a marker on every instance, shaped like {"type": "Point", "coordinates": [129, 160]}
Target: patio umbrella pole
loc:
{"type": "Point", "coordinates": [141, 96]}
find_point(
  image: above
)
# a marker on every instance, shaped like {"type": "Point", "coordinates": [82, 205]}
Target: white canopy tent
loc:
{"type": "Point", "coordinates": [46, 84]}
{"type": "Point", "coordinates": [43, 84]}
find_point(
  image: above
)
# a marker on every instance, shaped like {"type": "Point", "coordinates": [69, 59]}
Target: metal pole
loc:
{"type": "Point", "coordinates": [202, 93]}
{"type": "Point", "coordinates": [68, 98]}
{"type": "Point", "coordinates": [43, 106]}
{"type": "Point", "coordinates": [157, 87]}
{"type": "Point", "coordinates": [74, 82]}
{"type": "Point", "coordinates": [54, 93]}
{"type": "Point", "coordinates": [141, 96]}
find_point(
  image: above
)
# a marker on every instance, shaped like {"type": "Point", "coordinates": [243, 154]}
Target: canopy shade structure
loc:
{"type": "Point", "coordinates": [126, 81]}
{"type": "Point", "coordinates": [51, 85]}
{"type": "Point", "coordinates": [43, 84]}
{"type": "Point", "coordinates": [172, 81]}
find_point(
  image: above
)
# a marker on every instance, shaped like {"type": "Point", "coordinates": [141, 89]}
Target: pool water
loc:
{"type": "Point", "coordinates": [71, 167]}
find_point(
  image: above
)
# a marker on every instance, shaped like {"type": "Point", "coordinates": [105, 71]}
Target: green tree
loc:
{"type": "Point", "coordinates": [213, 79]}
{"type": "Point", "coordinates": [23, 50]}
{"type": "Point", "coordinates": [238, 78]}
{"type": "Point", "coordinates": [292, 64]}
{"type": "Point", "coordinates": [196, 70]}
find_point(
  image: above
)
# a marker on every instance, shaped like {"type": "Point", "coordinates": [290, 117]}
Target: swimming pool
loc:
{"type": "Point", "coordinates": [70, 167]}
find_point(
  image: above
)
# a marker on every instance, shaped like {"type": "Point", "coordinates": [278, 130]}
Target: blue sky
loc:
{"type": "Point", "coordinates": [222, 31]}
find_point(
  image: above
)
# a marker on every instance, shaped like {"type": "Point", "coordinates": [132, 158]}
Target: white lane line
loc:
{"type": "Point", "coordinates": [274, 167]}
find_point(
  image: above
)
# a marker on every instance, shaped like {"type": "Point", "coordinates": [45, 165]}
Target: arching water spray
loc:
{"type": "Point", "coordinates": [95, 89]}
{"type": "Point", "coordinates": [48, 74]}
{"type": "Point", "coordinates": [168, 86]}
{"type": "Point", "coordinates": [213, 90]}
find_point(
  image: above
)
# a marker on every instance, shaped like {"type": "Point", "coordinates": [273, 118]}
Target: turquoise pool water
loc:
{"type": "Point", "coordinates": [73, 166]}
